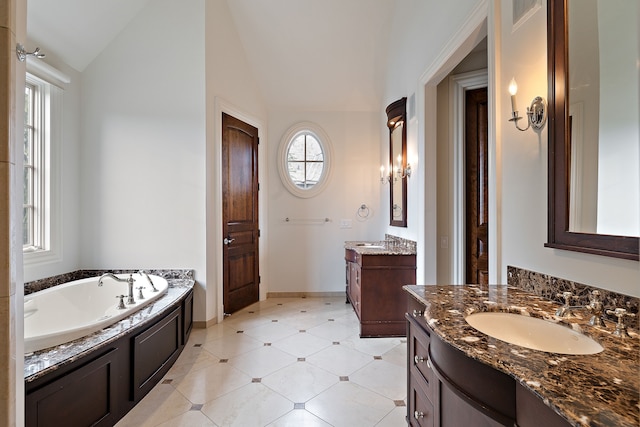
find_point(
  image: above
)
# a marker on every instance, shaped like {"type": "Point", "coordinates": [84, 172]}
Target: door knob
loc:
{"type": "Point", "coordinates": [227, 240]}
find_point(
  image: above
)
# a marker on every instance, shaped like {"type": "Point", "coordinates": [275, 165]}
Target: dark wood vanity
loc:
{"type": "Point", "coordinates": [374, 279]}
{"type": "Point", "coordinates": [447, 388]}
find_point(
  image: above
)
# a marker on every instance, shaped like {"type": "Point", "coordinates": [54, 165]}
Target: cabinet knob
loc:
{"type": "Point", "coordinates": [418, 359]}
{"type": "Point", "coordinates": [417, 313]}
{"type": "Point", "coordinates": [417, 415]}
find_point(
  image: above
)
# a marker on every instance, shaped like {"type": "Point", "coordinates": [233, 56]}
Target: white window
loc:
{"type": "Point", "coordinates": [304, 159]}
{"type": "Point", "coordinates": [42, 127]}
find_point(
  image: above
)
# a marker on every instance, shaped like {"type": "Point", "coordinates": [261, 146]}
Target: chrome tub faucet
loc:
{"type": "Point", "coordinates": [129, 282]}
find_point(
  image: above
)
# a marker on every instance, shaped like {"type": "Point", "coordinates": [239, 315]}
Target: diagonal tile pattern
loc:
{"type": "Point", "coordinates": [316, 371]}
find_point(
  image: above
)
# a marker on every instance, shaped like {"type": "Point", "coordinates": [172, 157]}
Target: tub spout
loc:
{"type": "Point", "coordinates": [129, 281]}
{"type": "Point", "coordinates": [143, 273]}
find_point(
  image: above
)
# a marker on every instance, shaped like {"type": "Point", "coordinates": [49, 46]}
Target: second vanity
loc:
{"type": "Point", "coordinates": [375, 273]}
{"type": "Point", "coordinates": [460, 376]}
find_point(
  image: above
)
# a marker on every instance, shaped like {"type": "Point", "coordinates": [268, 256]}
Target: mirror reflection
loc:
{"type": "Point", "coordinates": [604, 106]}
{"type": "Point", "coordinates": [396, 118]}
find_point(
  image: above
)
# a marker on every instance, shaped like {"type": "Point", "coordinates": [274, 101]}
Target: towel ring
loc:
{"type": "Point", "coordinates": [363, 211]}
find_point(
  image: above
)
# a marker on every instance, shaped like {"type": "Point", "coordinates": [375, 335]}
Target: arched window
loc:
{"type": "Point", "coordinates": [304, 159]}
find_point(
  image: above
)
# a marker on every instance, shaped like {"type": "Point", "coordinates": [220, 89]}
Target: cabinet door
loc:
{"type": "Point", "coordinates": [154, 351]}
{"type": "Point", "coordinates": [455, 412]}
{"type": "Point", "coordinates": [84, 397]}
{"type": "Point", "coordinates": [420, 411]}
{"type": "Point", "coordinates": [355, 287]}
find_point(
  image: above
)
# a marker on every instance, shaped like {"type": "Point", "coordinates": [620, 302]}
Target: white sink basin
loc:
{"type": "Point", "coordinates": [533, 333]}
{"type": "Point", "coordinates": [369, 246]}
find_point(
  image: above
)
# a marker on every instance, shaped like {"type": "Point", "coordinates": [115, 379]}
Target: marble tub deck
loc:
{"type": "Point", "coordinates": [588, 390]}
{"type": "Point", "coordinates": [42, 362]}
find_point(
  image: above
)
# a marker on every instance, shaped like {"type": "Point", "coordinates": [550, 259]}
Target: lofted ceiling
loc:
{"type": "Point", "coordinates": [307, 54]}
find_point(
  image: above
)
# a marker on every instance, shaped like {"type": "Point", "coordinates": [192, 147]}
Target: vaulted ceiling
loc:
{"type": "Point", "coordinates": [312, 54]}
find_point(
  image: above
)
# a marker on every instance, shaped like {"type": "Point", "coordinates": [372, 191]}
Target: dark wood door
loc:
{"type": "Point", "coordinates": [239, 214]}
{"type": "Point", "coordinates": [477, 181]}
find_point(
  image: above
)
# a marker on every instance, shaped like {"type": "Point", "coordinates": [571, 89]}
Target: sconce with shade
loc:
{"type": "Point", "coordinates": [536, 113]}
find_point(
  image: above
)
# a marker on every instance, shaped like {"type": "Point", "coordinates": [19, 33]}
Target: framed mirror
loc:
{"type": "Point", "coordinates": [593, 127]}
{"type": "Point", "coordinates": [396, 122]}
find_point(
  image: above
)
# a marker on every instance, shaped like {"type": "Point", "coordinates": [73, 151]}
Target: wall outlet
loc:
{"type": "Point", "coordinates": [345, 223]}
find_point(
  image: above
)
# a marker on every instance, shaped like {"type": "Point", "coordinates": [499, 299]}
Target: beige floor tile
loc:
{"type": "Point", "coordinates": [395, 418]}
{"type": "Point", "coordinates": [300, 381]}
{"type": "Point", "coordinates": [299, 418]}
{"type": "Point", "coordinates": [271, 332]}
{"type": "Point", "coordinates": [302, 344]}
{"type": "Point", "coordinates": [340, 360]}
{"type": "Point", "coordinates": [397, 355]}
{"type": "Point", "coordinates": [383, 378]}
{"type": "Point", "coordinates": [234, 345]}
{"type": "Point", "coordinates": [263, 361]}
{"type": "Point", "coordinates": [371, 346]}
{"type": "Point", "coordinates": [252, 405]}
{"type": "Point", "coordinates": [335, 331]}
{"type": "Point", "coordinates": [347, 404]}
{"type": "Point", "coordinates": [161, 404]}
{"type": "Point", "coordinates": [189, 419]}
{"type": "Point", "coordinates": [211, 382]}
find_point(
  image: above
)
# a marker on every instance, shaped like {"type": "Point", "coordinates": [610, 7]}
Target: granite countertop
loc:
{"type": "Point", "coordinates": [382, 247]}
{"type": "Point", "coordinates": [588, 390]}
{"type": "Point", "coordinates": [42, 362]}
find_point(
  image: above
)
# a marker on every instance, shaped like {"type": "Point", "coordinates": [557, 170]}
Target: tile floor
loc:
{"type": "Point", "coordinates": [282, 362]}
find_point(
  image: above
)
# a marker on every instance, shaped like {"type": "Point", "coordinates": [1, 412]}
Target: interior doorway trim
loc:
{"type": "Point", "coordinates": [471, 32]}
{"type": "Point", "coordinates": [214, 204]}
{"type": "Point", "coordinates": [460, 83]}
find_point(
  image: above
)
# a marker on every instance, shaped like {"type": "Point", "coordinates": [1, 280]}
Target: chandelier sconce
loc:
{"type": "Point", "coordinates": [394, 174]}
{"type": "Point", "coordinates": [536, 113]}
{"type": "Point", "coordinates": [22, 53]}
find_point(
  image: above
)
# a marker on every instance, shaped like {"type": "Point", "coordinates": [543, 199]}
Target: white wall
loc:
{"type": "Point", "coordinates": [524, 166]}
{"type": "Point", "coordinates": [68, 196]}
{"type": "Point", "coordinates": [143, 146]}
{"type": "Point", "coordinates": [310, 257]}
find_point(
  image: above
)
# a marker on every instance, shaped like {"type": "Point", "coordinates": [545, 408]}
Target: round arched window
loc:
{"type": "Point", "coordinates": [304, 159]}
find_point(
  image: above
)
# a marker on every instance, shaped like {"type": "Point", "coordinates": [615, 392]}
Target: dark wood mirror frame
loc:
{"type": "Point", "coordinates": [397, 112]}
{"type": "Point", "coordinates": [559, 152]}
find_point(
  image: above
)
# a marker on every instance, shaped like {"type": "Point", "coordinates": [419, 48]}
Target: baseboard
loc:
{"type": "Point", "coordinates": [199, 324]}
{"type": "Point", "coordinates": [305, 294]}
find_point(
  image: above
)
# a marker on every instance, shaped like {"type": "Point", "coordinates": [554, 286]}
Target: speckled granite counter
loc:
{"type": "Point", "coordinates": [588, 390]}
{"type": "Point", "coordinates": [383, 247]}
{"type": "Point", "coordinates": [42, 362]}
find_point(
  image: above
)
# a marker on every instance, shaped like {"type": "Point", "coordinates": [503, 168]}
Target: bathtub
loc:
{"type": "Point", "coordinates": [73, 310]}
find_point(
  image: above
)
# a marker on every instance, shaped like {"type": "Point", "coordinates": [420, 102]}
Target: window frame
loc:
{"type": "Point", "coordinates": [305, 128]}
{"type": "Point", "coordinates": [45, 244]}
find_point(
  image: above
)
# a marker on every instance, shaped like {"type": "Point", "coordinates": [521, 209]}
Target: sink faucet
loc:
{"type": "Point", "coordinates": [595, 307]}
{"type": "Point", "coordinates": [129, 281]}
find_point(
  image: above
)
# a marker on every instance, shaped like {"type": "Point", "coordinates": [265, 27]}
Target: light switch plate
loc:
{"type": "Point", "coordinates": [345, 223]}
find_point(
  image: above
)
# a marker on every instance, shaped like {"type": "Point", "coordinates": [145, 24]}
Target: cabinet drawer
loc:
{"type": "Point", "coordinates": [418, 356]}
{"type": "Point", "coordinates": [420, 409]}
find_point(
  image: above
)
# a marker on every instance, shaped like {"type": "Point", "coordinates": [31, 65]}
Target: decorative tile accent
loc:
{"type": "Point", "coordinates": [197, 345]}
{"type": "Point", "coordinates": [167, 381]}
{"type": "Point", "coordinates": [331, 320]}
{"type": "Point", "coordinates": [302, 331]}
{"type": "Point", "coordinates": [274, 321]}
{"type": "Point", "coordinates": [302, 359]}
{"type": "Point", "coordinates": [239, 332]}
{"type": "Point", "coordinates": [549, 287]}
{"type": "Point", "coordinates": [377, 357]}
{"type": "Point", "coordinates": [399, 403]}
{"type": "Point", "coordinates": [256, 380]}
{"type": "Point", "coordinates": [336, 343]}
{"type": "Point", "coordinates": [196, 407]}
{"type": "Point", "coordinates": [267, 344]}
{"type": "Point", "coordinates": [224, 361]}
{"type": "Point", "coordinates": [344, 378]}
{"type": "Point", "coordinates": [298, 406]}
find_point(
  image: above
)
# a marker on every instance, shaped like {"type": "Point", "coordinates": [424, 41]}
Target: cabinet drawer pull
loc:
{"type": "Point", "coordinates": [417, 313]}
{"type": "Point", "coordinates": [420, 359]}
{"type": "Point", "coordinates": [417, 415]}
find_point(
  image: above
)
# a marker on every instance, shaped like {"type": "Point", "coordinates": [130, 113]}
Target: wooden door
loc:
{"type": "Point", "coordinates": [477, 181]}
{"type": "Point", "coordinates": [239, 214]}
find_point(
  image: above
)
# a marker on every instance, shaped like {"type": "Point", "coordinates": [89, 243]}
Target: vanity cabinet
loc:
{"type": "Point", "coordinates": [445, 388]}
{"type": "Point", "coordinates": [374, 289]}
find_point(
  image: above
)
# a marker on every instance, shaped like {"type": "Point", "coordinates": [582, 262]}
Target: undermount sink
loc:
{"type": "Point", "coordinates": [533, 333]}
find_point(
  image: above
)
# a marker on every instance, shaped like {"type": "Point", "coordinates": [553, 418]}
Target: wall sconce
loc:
{"type": "Point", "coordinates": [536, 113]}
{"type": "Point", "coordinates": [400, 173]}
